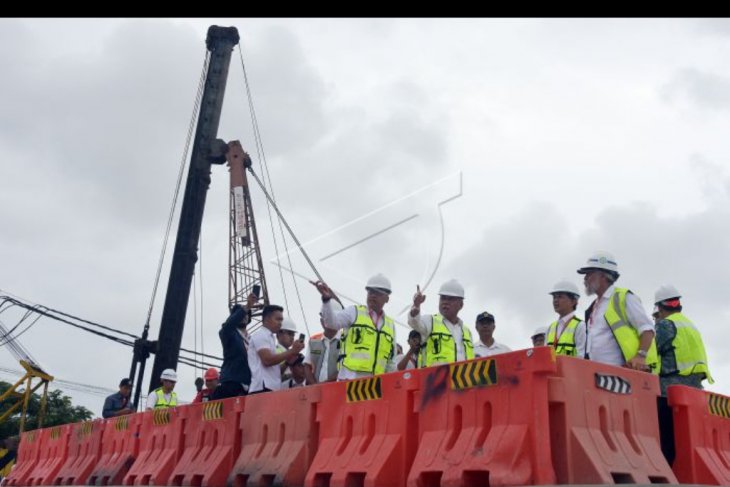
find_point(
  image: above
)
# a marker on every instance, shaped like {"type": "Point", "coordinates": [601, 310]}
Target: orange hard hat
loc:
{"type": "Point", "coordinates": [211, 374]}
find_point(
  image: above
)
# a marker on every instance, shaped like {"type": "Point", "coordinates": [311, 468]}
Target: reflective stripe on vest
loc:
{"type": "Point", "coordinates": [441, 346]}
{"type": "Point", "coordinates": [566, 342]}
{"type": "Point", "coordinates": [316, 353]}
{"type": "Point", "coordinates": [161, 403]}
{"type": "Point", "coordinates": [688, 349]}
{"type": "Point", "coordinates": [626, 335]}
{"type": "Point", "coordinates": [366, 348]}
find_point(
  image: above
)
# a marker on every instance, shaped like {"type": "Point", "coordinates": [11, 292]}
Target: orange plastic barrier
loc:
{"type": "Point", "coordinates": [603, 425]}
{"type": "Point", "coordinates": [28, 451]}
{"type": "Point", "coordinates": [84, 448]}
{"type": "Point", "coordinates": [53, 450]}
{"type": "Point", "coordinates": [160, 447]}
{"type": "Point", "coordinates": [367, 432]}
{"type": "Point", "coordinates": [485, 422]}
{"type": "Point", "coordinates": [119, 448]}
{"type": "Point", "coordinates": [279, 438]}
{"type": "Point", "coordinates": [701, 435]}
{"type": "Point", "coordinates": [212, 442]}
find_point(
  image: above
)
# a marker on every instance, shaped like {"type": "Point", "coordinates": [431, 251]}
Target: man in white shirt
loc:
{"type": "Point", "coordinates": [262, 356]}
{"type": "Point", "coordinates": [567, 335]}
{"type": "Point", "coordinates": [410, 359]}
{"type": "Point", "coordinates": [322, 357]}
{"type": "Point", "coordinates": [447, 339]}
{"type": "Point", "coordinates": [369, 334]}
{"type": "Point", "coordinates": [298, 377]}
{"type": "Point", "coordinates": [619, 330]}
{"type": "Point", "coordinates": [486, 347]}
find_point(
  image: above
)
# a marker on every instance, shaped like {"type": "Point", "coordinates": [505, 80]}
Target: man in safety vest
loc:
{"type": "Point", "coordinates": [619, 330]}
{"type": "Point", "coordinates": [164, 396]}
{"type": "Point", "coordinates": [369, 341]}
{"type": "Point", "coordinates": [446, 336]}
{"type": "Point", "coordinates": [679, 344]}
{"type": "Point", "coordinates": [321, 363]}
{"type": "Point", "coordinates": [567, 335]}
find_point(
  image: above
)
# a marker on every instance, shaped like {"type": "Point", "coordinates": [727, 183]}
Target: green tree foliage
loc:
{"type": "Point", "coordinates": [59, 410]}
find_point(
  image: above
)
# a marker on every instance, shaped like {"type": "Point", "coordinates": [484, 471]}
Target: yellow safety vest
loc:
{"type": "Point", "coordinates": [441, 346]}
{"type": "Point", "coordinates": [160, 403]}
{"type": "Point", "coordinates": [566, 342]}
{"type": "Point", "coordinates": [366, 348]}
{"type": "Point", "coordinates": [626, 335]}
{"type": "Point", "coordinates": [688, 349]}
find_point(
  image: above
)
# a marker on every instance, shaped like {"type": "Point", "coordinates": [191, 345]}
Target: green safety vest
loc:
{"type": "Point", "coordinates": [566, 342]}
{"type": "Point", "coordinates": [626, 335]}
{"type": "Point", "coordinates": [441, 346]}
{"type": "Point", "coordinates": [160, 403]}
{"type": "Point", "coordinates": [367, 349]}
{"type": "Point", "coordinates": [688, 349]}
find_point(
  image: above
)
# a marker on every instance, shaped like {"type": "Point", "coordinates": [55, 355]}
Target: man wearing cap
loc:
{"type": "Point", "coordinates": [412, 358]}
{"type": "Point", "coordinates": [297, 377]}
{"type": "Point", "coordinates": [445, 335]}
{"type": "Point", "coordinates": [619, 330]}
{"type": "Point", "coordinates": [538, 337]}
{"type": "Point", "coordinates": [321, 362]}
{"type": "Point", "coordinates": [164, 396]}
{"type": "Point", "coordinates": [118, 403]}
{"type": "Point", "coordinates": [369, 340]}
{"type": "Point", "coordinates": [487, 346]}
{"type": "Point", "coordinates": [567, 335]}
{"type": "Point", "coordinates": [682, 355]}
{"type": "Point", "coordinates": [211, 382]}
{"type": "Point", "coordinates": [263, 357]}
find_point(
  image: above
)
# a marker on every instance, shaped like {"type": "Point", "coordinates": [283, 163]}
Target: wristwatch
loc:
{"type": "Point", "coordinates": [641, 353]}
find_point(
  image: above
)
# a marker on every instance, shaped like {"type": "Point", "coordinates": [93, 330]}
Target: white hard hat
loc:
{"type": "Point", "coordinates": [380, 283]}
{"type": "Point", "coordinates": [566, 287]}
{"type": "Point", "coordinates": [452, 288]}
{"type": "Point", "coordinates": [169, 374]}
{"type": "Point", "coordinates": [666, 291]}
{"type": "Point", "coordinates": [289, 325]}
{"type": "Point", "coordinates": [539, 331]}
{"type": "Point", "coordinates": [600, 260]}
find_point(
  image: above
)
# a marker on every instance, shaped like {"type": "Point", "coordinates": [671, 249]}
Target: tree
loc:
{"type": "Point", "coordinates": [59, 410]}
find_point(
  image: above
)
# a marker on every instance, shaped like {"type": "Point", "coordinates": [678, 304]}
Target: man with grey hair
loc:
{"type": "Point", "coordinates": [619, 330]}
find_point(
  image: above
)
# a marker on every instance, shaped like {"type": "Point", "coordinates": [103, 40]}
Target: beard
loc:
{"type": "Point", "coordinates": [589, 290]}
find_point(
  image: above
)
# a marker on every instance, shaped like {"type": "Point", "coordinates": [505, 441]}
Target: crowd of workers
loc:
{"type": "Point", "coordinates": [360, 340]}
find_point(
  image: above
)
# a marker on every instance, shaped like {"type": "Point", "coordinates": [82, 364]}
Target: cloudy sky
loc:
{"type": "Point", "coordinates": [499, 152]}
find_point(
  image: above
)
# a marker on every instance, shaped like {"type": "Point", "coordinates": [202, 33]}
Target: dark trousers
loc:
{"type": "Point", "coordinates": [227, 389]}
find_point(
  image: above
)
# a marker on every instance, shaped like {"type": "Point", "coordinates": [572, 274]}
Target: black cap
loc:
{"type": "Point", "coordinates": [125, 382]}
{"type": "Point", "coordinates": [485, 316]}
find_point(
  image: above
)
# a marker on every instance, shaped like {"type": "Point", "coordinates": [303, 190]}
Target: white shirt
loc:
{"type": "Point", "coordinates": [424, 326]}
{"type": "Point", "coordinates": [291, 384]}
{"type": "Point", "coordinates": [261, 375]}
{"type": "Point", "coordinates": [343, 319]}
{"type": "Point", "coordinates": [481, 350]}
{"type": "Point", "coordinates": [602, 346]}
{"type": "Point", "coordinates": [411, 364]}
{"type": "Point", "coordinates": [327, 344]}
{"type": "Point", "coordinates": [580, 334]}
{"type": "Point", "coordinates": [152, 399]}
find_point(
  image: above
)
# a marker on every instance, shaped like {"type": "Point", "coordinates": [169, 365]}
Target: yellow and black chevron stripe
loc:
{"type": "Point", "coordinates": [160, 417]}
{"type": "Point", "coordinates": [212, 410]}
{"type": "Point", "coordinates": [85, 429]}
{"type": "Point", "coordinates": [719, 405]}
{"type": "Point", "coordinates": [364, 389]}
{"type": "Point", "coordinates": [473, 374]}
{"type": "Point", "coordinates": [55, 433]}
{"type": "Point", "coordinates": [122, 423]}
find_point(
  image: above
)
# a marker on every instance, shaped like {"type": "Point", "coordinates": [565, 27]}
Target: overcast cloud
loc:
{"type": "Point", "coordinates": [560, 136]}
